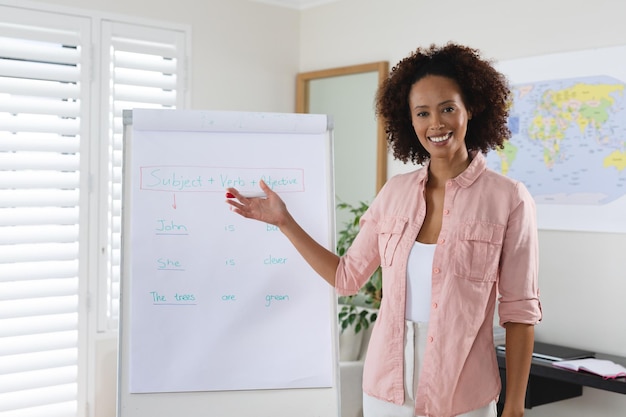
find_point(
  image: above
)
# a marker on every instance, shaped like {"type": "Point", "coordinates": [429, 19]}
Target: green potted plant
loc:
{"type": "Point", "coordinates": [357, 311]}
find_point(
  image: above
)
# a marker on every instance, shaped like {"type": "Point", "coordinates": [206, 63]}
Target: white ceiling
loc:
{"type": "Point", "coordinates": [296, 4]}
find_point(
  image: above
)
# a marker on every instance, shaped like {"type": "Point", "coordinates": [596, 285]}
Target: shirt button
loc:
{"type": "Point", "coordinates": [435, 305]}
{"type": "Point", "coordinates": [442, 241]}
{"type": "Point", "coordinates": [446, 212]}
{"type": "Point", "coordinates": [449, 183]}
{"type": "Point", "coordinates": [436, 270]}
{"type": "Point", "coordinates": [430, 339]}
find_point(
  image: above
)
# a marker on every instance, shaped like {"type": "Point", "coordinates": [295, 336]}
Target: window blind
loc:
{"type": "Point", "coordinates": [64, 80]}
{"type": "Point", "coordinates": [145, 67]}
{"type": "Point", "coordinates": [43, 92]}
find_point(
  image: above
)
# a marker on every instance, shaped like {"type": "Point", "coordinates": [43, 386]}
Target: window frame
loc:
{"type": "Point", "coordinates": [104, 322]}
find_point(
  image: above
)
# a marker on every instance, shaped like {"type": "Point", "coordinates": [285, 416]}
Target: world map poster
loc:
{"type": "Point", "coordinates": [568, 144]}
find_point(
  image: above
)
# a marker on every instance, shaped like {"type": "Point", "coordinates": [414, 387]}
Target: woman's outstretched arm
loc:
{"type": "Point", "coordinates": [273, 210]}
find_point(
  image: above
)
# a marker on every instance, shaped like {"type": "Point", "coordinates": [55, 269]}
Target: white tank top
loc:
{"type": "Point", "coordinates": [419, 282]}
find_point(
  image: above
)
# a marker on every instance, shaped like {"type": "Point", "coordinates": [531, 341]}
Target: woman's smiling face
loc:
{"type": "Point", "coordinates": [439, 117]}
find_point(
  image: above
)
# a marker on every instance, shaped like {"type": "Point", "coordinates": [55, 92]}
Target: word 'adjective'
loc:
{"type": "Point", "coordinates": [279, 182]}
{"type": "Point", "coordinates": [170, 226]}
{"type": "Point", "coordinates": [269, 299]}
{"type": "Point", "coordinates": [270, 260]}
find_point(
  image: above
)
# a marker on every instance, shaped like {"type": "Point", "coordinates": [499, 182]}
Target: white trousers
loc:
{"type": "Point", "coordinates": [414, 346]}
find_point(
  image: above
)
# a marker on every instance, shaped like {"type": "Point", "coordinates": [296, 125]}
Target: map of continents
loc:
{"type": "Point", "coordinates": [569, 140]}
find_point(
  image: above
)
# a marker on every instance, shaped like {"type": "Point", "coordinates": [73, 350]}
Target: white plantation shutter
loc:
{"type": "Point", "coordinates": [60, 189]}
{"type": "Point", "coordinates": [146, 68]}
{"type": "Point", "coordinates": [43, 209]}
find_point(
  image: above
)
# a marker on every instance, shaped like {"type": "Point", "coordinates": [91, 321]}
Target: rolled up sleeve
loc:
{"type": "Point", "coordinates": [519, 264]}
{"type": "Point", "coordinates": [362, 258]}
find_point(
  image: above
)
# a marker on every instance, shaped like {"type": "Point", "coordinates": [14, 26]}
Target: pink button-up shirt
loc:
{"type": "Point", "coordinates": [487, 246]}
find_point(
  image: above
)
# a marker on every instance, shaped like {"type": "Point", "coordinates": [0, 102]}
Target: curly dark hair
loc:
{"type": "Point", "coordinates": [485, 93]}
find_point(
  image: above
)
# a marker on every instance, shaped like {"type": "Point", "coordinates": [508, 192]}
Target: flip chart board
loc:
{"type": "Point", "coordinates": [220, 316]}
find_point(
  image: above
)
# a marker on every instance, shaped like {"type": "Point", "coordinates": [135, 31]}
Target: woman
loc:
{"type": "Point", "coordinates": [450, 237]}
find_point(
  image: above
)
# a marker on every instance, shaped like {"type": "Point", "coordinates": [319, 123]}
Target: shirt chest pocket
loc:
{"type": "Point", "coordinates": [479, 250]}
{"type": "Point", "coordinates": [389, 233]}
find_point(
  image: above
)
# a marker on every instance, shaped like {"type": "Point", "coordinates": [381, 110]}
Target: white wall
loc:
{"type": "Point", "coordinates": [582, 275]}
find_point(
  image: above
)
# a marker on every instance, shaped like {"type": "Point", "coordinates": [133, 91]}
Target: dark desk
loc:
{"type": "Point", "coordinates": [548, 384]}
